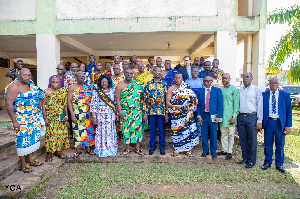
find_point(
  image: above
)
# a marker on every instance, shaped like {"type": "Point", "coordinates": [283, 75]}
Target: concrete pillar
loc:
{"type": "Point", "coordinates": [259, 58]}
{"type": "Point", "coordinates": [48, 57]}
{"type": "Point", "coordinates": [225, 49]}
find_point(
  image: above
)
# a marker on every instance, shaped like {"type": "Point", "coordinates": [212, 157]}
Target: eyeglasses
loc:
{"type": "Point", "coordinates": [206, 81]}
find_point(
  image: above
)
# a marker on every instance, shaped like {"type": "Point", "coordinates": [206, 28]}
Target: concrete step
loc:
{"type": "Point", "coordinates": [10, 162]}
{"type": "Point", "coordinates": [20, 184]}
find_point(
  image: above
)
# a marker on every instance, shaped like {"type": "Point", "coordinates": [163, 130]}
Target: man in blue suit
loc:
{"type": "Point", "coordinates": [277, 120]}
{"type": "Point", "coordinates": [209, 112]}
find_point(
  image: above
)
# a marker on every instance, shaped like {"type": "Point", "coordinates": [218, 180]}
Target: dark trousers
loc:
{"type": "Point", "coordinates": [248, 136]}
{"type": "Point", "coordinates": [159, 122]}
{"type": "Point", "coordinates": [209, 127]}
{"type": "Point", "coordinates": [273, 129]}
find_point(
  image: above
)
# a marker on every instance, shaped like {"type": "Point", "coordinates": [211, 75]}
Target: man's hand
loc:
{"type": "Point", "coordinates": [117, 117]}
{"type": "Point", "coordinates": [122, 116]}
{"type": "Point", "coordinates": [258, 126]}
{"type": "Point", "coordinates": [73, 118]}
{"type": "Point", "coordinates": [16, 126]}
{"type": "Point", "coordinates": [166, 118]}
{"type": "Point", "coordinates": [145, 117]}
{"type": "Point", "coordinates": [94, 120]}
{"type": "Point", "coordinates": [232, 121]}
{"type": "Point", "coordinates": [200, 120]}
{"type": "Point", "coordinates": [46, 122]}
{"type": "Point", "coordinates": [217, 120]}
{"type": "Point", "coordinates": [287, 130]}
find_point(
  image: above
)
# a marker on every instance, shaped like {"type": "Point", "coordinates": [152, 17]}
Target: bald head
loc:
{"type": "Point", "coordinates": [226, 79]}
{"type": "Point", "coordinates": [273, 84]}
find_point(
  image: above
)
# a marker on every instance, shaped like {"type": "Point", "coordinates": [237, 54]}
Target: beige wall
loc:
{"type": "Point", "coordinates": [17, 10]}
{"type": "Point", "coordinates": [82, 9]}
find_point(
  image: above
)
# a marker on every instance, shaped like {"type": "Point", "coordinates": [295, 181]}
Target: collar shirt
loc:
{"type": "Point", "coordinates": [251, 101]}
{"type": "Point", "coordinates": [272, 115]}
{"type": "Point", "coordinates": [155, 97]}
{"type": "Point", "coordinates": [206, 92]}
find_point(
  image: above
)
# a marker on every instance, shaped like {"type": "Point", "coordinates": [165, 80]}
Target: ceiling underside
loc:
{"type": "Point", "coordinates": [167, 44]}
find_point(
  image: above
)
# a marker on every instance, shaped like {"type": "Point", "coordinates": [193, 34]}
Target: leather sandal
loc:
{"type": "Point", "coordinates": [140, 152]}
{"type": "Point", "coordinates": [189, 154]}
{"type": "Point", "coordinates": [174, 154]}
{"type": "Point", "coordinates": [125, 152]}
{"type": "Point", "coordinates": [36, 163]}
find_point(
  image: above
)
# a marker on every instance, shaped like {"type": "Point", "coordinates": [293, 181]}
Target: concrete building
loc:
{"type": "Point", "coordinates": [45, 33]}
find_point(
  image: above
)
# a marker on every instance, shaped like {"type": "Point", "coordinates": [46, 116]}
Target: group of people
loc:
{"type": "Point", "coordinates": [102, 106]}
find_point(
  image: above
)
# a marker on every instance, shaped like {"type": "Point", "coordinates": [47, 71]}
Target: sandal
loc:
{"type": "Point", "coordinates": [60, 155]}
{"type": "Point", "coordinates": [36, 163]}
{"type": "Point", "coordinates": [90, 152]}
{"type": "Point", "coordinates": [140, 152]}
{"type": "Point", "coordinates": [26, 169]}
{"type": "Point", "coordinates": [189, 154]}
{"type": "Point", "coordinates": [48, 159]}
{"type": "Point", "coordinates": [174, 154]}
{"type": "Point", "coordinates": [125, 152]}
{"type": "Point", "coordinates": [76, 154]}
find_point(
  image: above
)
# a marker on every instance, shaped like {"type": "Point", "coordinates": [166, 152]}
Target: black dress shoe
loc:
{"type": "Point", "coordinates": [214, 156]}
{"type": "Point", "coordinates": [204, 154]}
{"type": "Point", "coordinates": [162, 152]}
{"type": "Point", "coordinates": [281, 169]}
{"type": "Point", "coordinates": [151, 151]}
{"type": "Point", "coordinates": [228, 156]}
{"type": "Point", "coordinates": [222, 153]}
{"type": "Point", "coordinates": [249, 165]}
{"type": "Point", "coordinates": [242, 162]}
{"type": "Point", "coordinates": [265, 166]}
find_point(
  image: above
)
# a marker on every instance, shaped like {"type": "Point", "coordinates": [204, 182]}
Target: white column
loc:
{"type": "Point", "coordinates": [48, 57]}
{"type": "Point", "coordinates": [259, 59]}
{"type": "Point", "coordinates": [225, 50]}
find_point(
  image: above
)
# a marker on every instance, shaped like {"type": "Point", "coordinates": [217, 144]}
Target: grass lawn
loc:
{"type": "Point", "coordinates": [177, 180]}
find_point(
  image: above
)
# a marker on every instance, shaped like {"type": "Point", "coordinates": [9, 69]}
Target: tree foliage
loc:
{"type": "Point", "coordinates": [289, 44]}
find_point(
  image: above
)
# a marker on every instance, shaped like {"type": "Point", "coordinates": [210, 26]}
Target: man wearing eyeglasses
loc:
{"type": "Point", "coordinates": [209, 113]}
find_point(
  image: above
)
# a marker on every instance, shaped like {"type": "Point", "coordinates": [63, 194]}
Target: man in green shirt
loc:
{"type": "Point", "coordinates": [231, 105]}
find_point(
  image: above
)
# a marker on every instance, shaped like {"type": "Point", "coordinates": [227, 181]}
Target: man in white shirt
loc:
{"type": "Point", "coordinates": [249, 120]}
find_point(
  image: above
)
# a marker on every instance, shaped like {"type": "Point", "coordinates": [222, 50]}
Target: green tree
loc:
{"type": "Point", "coordinates": [289, 44]}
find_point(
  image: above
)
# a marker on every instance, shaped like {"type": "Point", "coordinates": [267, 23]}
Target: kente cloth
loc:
{"type": "Point", "coordinates": [57, 133]}
{"type": "Point", "coordinates": [183, 125]}
{"type": "Point", "coordinates": [97, 75]}
{"type": "Point", "coordinates": [70, 80]}
{"type": "Point", "coordinates": [118, 80]}
{"type": "Point", "coordinates": [144, 78]}
{"type": "Point", "coordinates": [27, 113]}
{"type": "Point", "coordinates": [217, 83]}
{"type": "Point", "coordinates": [83, 128]}
{"type": "Point", "coordinates": [169, 78]}
{"type": "Point", "coordinates": [106, 143]}
{"type": "Point", "coordinates": [131, 107]}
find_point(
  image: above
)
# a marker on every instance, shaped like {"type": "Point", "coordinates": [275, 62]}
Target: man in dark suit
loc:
{"type": "Point", "coordinates": [209, 112]}
{"type": "Point", "coordinates": [186, 70]}
{"type": "Point", "coordinates": [277, 120]}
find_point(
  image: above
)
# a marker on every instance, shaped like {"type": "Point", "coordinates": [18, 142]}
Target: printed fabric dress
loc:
{"type": "Point", "coordinates": [104, 105]}
{"type": "Point", "coordinates": [27, 113]}
{"type": "Point", "coordinates": [183, 125]}
{"type": "Point", "coordinates": [131, 106]}
{"type": "Point", "coordinates": [83, 128]}
{"type": "Point", "coordinates": [57, 138]}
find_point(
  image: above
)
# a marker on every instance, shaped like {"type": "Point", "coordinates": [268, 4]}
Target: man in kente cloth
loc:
{"type": "Point", "coordinates": [117, 78]}
{"type": "Point", "coordinates": [79, 100]}
{"type": "Point", "coordinates": [129, 102]}
{"type": "Point", "coordinates": [143, 76]}
{"type": "Point", "coordinates": [23, 103]}
{"type": "Point", "coordinates": [182, 103]}
{"type": "Point", "coordinates": [168, 74]}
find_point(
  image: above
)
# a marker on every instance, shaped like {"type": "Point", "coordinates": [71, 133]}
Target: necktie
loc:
{"type": "Point", "coordinates": [207, 100]}
{"type": "Point", "coordinates": [273, 103]}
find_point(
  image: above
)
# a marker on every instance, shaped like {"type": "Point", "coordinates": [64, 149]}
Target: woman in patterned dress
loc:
{"type": "Point", "coordinates": [104, 115]}
{"type": "Point", "coordinates": [56, 120]}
